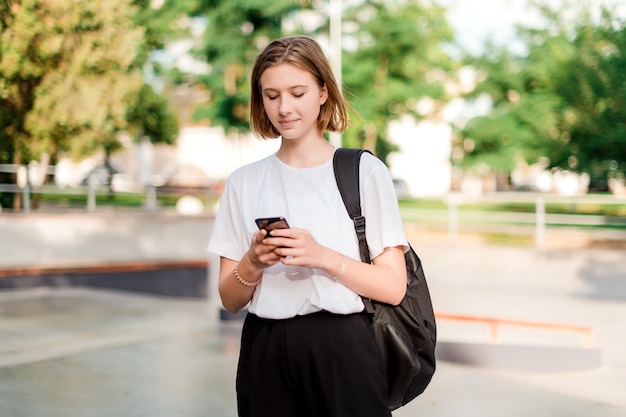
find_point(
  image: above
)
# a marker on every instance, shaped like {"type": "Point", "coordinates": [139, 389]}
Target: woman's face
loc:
{"type": "Point", "coordinates": [292, 100]}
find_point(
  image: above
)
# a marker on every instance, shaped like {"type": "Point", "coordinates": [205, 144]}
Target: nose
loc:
{"type": "Point", "coordinates": [284, 106]}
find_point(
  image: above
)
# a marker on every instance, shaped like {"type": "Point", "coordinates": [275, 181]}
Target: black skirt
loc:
{"type": "Point", "coordinates": [317, 365]}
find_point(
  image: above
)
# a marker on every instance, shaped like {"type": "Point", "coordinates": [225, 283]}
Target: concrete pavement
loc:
{"type": "Point", "coordinates": [74, 352]}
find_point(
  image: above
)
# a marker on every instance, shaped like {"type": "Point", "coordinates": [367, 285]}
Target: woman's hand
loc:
{"type": "Point", "coordinates": [234, 293]}
{"type": "Point", "coordinates": [296, 247]}
{"type": "Point", "coordinates": [383, 280]}
{"type": "Point", "coordinates": [262, 251]}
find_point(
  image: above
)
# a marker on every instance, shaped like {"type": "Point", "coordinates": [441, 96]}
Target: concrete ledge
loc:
{"type": "Point", "coordinates": [186, 279]}
{"type": "Point", "coordinates": [520, 357]}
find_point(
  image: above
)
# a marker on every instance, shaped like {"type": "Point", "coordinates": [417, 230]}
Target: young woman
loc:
{"type": "Point", "coordinates": [307, 348]}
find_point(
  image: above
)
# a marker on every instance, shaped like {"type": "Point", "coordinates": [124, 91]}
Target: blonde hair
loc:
{"type": "Point", "coordinates": [306, 54]}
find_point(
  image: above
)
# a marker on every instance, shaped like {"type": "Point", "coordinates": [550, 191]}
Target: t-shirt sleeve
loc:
{"type": "Point", "coordinates": [228, 236]}
{"type": "Point", "coordinates": [384, 226]}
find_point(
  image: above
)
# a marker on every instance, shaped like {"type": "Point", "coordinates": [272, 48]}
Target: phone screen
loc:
{"type": "Point", "coordinates": [271, 223]}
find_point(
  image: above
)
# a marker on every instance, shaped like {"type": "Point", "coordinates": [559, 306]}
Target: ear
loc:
{"type": "Point", "coordinates": [323, 94]}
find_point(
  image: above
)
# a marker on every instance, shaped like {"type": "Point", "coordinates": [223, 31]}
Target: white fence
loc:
{"type": "Point", "coordinates": [510, 222]}
{"type": "Point", "coordinates": [26, 186]}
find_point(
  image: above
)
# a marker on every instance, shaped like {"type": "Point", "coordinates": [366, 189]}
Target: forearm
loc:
{"type": "Point", "coordinates": [384, 280]}
{"type": "Point", "coordinates": [236, 295]}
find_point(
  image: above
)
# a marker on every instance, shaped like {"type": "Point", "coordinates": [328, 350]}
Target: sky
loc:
{"type": "Point", "coordinates": [474, 21]}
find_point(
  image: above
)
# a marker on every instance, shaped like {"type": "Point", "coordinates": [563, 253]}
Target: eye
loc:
{"type": "Point", "coordinates": [298, 95]}
{"type": "Point", "coordinates": [271, 97]}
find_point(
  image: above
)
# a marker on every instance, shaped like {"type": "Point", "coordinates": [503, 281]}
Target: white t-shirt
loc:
{"type": "Point", "coordinates": [309, 199]}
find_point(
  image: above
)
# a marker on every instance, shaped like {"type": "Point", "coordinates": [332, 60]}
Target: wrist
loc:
{"type": "Point", "coordinates": [244, 281]}
{"type": "Point", "coordinates": [247, 273]}
{"type": "Point", "coordinates": [340, 267]}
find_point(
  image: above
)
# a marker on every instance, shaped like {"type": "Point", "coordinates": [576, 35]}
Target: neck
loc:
{"type": "Point", "coordinates": [305, 154]}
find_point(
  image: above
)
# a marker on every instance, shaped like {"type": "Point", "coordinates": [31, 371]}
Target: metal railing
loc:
{"type": "Point", "coordinates": [496, 323]}
{"type": "Point", "coordinates": [26, 189]}
{"type": "Point", "coordinates": [452, 217]}
{"type": "Point", "coordinates": [455, 218]}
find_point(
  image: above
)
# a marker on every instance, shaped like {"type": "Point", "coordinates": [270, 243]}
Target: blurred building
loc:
{"type": "Point", "coordinates": [423, 163]}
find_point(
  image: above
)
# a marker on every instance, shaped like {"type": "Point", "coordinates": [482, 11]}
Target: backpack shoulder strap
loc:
{"type": "Point", "coordinates": [346, 164]}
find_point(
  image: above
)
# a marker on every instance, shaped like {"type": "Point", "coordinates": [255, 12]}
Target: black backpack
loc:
{"type": "Point", "coordinates": [406, 334]}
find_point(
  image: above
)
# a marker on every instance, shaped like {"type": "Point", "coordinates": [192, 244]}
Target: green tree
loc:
{"type": "Point", "coordinates": [150, 116]}
{"type": "Point", "coordinates": [594, 94]}
{"type": "Point", "coordinates": [163, 21]}
{"type": "Point", "coordinates": [68, 71]}
{"type": "Point", "coordinates": [564, 99]}
{"type": "Point", "coordinates": [236, 31]}
{"type": "Point", "coordinates": [397, 58]}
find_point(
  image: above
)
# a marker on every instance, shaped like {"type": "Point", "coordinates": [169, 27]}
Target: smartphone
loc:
{"type": "Point", "coordinates": [271, 223]}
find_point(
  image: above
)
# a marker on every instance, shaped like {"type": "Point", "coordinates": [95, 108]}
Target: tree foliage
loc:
{"type": "Point", "coordinates": [396, 58]}
{"type": "Point", "coordinates": [163, 21]}
{"type": "Point", "coordinates": [68, 69]}
{"type": "Point", "coordinates": [236, 32]}
{"type": "Point", "coordinates": [565, 99]}
{"type": "Point", "coordinates": [71, 76]}
{"type": "Point", "coordinates": [149, 116]}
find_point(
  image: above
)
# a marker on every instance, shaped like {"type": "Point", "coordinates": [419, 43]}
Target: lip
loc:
{"type": "Point", "coordinates": [288, 123]}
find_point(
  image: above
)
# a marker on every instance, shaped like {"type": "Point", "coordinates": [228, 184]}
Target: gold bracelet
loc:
{"type": "Point", "coordinates": [343, 268]}
{"type": "Point", "coordinates": [243, 281]}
